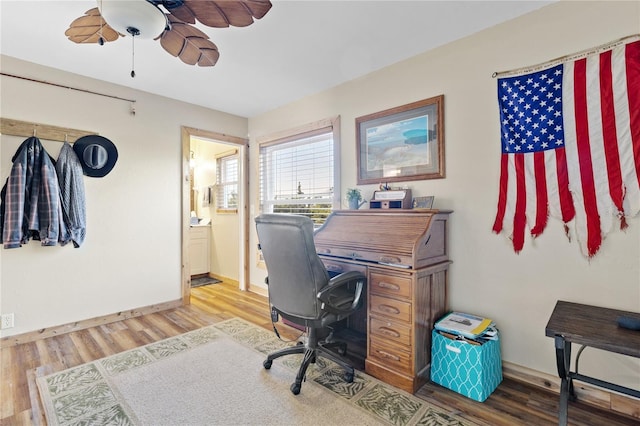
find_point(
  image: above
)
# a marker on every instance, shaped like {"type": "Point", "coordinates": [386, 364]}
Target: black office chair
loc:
{"type": "Point", "coordinates": [301, 291]}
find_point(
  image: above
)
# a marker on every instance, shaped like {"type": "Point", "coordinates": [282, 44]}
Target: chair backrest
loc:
{"type": "Point", "coordinates": [295, 271]}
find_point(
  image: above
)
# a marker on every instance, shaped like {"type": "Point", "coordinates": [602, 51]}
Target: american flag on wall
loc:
{"type": "Point", "coordinates": [570, 133]}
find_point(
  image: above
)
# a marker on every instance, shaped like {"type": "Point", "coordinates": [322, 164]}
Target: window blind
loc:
{"type": "Point", "coordinates": [227, 182]}
{"type": "Point", "coordinates": [297, 175]}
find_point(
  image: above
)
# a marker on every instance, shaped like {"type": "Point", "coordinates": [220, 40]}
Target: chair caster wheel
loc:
{"type": "Point", "coordinates": [267, 364]}
{"type": "Point", "coordinates": [295, 388]}
{"type": "Point", "coordinates": [348, 377]}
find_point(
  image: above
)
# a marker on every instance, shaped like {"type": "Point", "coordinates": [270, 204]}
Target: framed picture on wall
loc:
{"type": "Point", "coordinates": [402, 143]}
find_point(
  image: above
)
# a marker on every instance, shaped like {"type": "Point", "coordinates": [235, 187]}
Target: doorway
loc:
{"type": "Point", "coordinates": [189, 201]}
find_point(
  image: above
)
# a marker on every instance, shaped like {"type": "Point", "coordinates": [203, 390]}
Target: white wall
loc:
{"type": "Point", "coordinates": [131, 257]}
{"type": "Point", "coordinates": [204, 174]}
{"type": "Point", "coordinates": [487, 277]}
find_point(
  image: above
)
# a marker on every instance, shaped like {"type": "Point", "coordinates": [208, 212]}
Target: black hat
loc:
{"type": "Point", "coordinates": [97, 155]}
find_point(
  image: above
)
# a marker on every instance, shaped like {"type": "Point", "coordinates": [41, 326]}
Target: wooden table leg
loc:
{"type": "Point", "coordinates": [563, 361]}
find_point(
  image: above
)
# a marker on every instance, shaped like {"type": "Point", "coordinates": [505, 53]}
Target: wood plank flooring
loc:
{"type": "Point", "coordinates": [513, 403]}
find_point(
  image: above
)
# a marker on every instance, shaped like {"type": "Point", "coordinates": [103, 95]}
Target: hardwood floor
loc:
{"type": "Point", "coordinates": [513, 403]}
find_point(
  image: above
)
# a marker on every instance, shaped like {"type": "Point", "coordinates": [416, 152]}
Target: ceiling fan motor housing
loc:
{"type": "Point", "coordinates": [136, 17]}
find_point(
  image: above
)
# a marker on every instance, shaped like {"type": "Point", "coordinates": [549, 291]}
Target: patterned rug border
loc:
{"type": "Point", "coordinates": [62, 392]}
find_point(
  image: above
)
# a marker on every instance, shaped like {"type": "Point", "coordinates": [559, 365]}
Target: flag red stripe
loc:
{"type": "Point", "coordinates": [632, 58]}
{"type": "Point", "coordinates": [502, 196]}
{"type": "Point", "coordinates": [566, 200]}
{"type": "Point", "coordinates": [594, 238]}
{"type": "Point", "coordinates": [609, 133]}
{"type": "Point", "coordinates": [541, 194]}
{"type": "Point", "coordinates": [520, 215]}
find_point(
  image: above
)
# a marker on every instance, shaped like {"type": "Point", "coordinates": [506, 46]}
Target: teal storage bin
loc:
{"type": "Point", "coordinates": [471, 370]}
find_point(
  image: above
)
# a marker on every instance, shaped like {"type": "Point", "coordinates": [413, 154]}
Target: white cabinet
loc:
{"type": "Point", "coordinates": [200, 249]}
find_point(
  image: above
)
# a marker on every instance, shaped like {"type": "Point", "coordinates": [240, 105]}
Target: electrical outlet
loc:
{"type": "Point", "coordinates": [7, 321]}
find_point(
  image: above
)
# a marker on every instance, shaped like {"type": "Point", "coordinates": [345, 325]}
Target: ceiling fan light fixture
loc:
{"type": "Point", "coordinates": [172, 22]}
{"type": "Point", "coordinates": [147, 19]}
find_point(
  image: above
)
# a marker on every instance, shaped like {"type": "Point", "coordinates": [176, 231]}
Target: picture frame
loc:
{"type": "Point", "coordinates": [402, 143]}
{"type": "Point", "coordinates": [423, 202]}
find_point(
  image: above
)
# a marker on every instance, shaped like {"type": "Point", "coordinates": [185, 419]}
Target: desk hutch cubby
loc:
{"type": "Point", "coordinates": [403, 254]}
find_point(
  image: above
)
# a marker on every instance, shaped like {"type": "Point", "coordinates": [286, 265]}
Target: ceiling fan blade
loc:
{"type": "Point", "coordinates": [89, 28]}
{"type": "Point", "coordinates": [188, 43]}
{"type": "Point", "coordinates": [222, 13]}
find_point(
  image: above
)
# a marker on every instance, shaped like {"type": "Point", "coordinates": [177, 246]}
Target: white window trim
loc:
{"type": "Point", "coordinates": [230, 153]}
{"type": "Point", "coordinates": [321, 126]}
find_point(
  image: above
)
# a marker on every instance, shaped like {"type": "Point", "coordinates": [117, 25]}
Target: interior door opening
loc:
{"type": "Point", "coordinates": [214, 216]}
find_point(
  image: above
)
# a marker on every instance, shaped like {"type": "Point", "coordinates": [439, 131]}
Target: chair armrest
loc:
{"type": "Point", "coordinates": [336, 291]}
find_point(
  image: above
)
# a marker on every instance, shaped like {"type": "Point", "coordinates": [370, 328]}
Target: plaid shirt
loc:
{"type": "Point", "coordinates": [31, 198]}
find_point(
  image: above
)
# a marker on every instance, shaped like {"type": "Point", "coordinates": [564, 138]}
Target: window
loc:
{"type": "Point", "coordinates": [227, 182]}
{"type": "Point", "coordinates": [299, 171]}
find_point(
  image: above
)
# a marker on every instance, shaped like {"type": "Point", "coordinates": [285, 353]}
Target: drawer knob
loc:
{"type": "Point", "coordinates": [389, 309]}
{"type": "Point", "coordinates": [389, 286]}
{"type": "Point", "coordinates": [384, 354]}
{"type": "Point", "coordinates": [389, 332]}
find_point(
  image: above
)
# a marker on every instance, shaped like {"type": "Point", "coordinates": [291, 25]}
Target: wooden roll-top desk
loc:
{"type": "Point", "coordinates": [404, 256]}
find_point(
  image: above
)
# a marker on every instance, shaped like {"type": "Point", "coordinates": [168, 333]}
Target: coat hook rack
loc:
{"type": "Point", "coordinates": [44, 131]}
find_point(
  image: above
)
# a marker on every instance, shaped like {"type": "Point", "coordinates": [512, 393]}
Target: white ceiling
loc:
{"type": "Point", "coordinates": [299, 48]}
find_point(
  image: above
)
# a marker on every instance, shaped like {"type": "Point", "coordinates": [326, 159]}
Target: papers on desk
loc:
{"type": "Point", "coordinates": [470, 328]}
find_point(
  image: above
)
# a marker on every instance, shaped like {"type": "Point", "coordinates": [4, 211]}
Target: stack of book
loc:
{"type": "Point", "coordinates": [469, 328]}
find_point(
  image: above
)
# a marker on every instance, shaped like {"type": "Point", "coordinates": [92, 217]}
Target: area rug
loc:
{"type": "Point", "coordinates": [199, 282]}
{"type": "Point", "coordinates": [214, 375]}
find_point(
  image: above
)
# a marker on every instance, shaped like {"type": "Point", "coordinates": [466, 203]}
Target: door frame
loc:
{"type": "Point", "coordinates": [243, 146]}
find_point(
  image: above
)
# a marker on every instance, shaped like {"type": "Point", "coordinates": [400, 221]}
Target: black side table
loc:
{"type": "Point", "coordinates": [591, 326]}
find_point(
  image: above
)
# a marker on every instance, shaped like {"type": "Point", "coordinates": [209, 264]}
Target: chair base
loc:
{"type": "Point", "coordinates": [311, 351]}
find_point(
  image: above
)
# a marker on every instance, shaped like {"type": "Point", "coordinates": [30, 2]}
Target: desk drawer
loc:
{"type": "Point", "coordinates": [395, 309]}
{"type": "Point", "coordinates": [390, 357]}
{"type": "Point", "coordinates": [390, 331]}
{"type": "Point", "coordinates": [338, 267]}
{"type": "Point", "coordinates": [389, 285]}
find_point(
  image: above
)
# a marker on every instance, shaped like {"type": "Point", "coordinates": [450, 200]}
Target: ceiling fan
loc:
{"type": "Point", "coordinates": [171, 21]}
